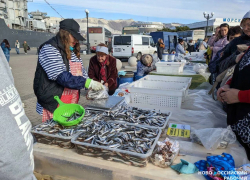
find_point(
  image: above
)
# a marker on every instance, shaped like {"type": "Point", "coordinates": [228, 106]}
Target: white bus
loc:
{"type": "Point", "coordinates": [98, 35]}
{"type": "Point", "coordinates": [192, 34]}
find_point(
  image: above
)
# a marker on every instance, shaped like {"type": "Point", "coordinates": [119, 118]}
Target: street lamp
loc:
{"type": "Point", "coordinates": [88, 45]}
{"type": "Point", "coordinates": [207, 17]}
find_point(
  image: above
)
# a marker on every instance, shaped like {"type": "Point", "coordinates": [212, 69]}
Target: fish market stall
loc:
{"type": "Point", "coordinates": [121, 142]}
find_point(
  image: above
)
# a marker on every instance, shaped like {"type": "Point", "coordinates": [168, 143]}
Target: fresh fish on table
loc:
{"type": "Point", "coordinates": [52, 127]}
{"type": "Point", "coordinates": [118, 136]}
{"type": "Point", "coordinates": [138, 116]}
{"type": "Point", "coordinates": [73, 117]}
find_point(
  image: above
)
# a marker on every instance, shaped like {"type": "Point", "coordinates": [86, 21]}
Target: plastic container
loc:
{"type": "Point", "coordinates": [171, 57]}
{"type": "Point", "coordinates": [174, 156]}
{"type": "Point", "coordinates": [187, 80]}
{"type": "Point", "coordinates": [128, 78]}
{"type": "Point", "coordinates": [158, 93]}
{"type": "Point", "coordinates": [118, 155]}
{"type": "Point", "coordinates": [67, 110]}
{"type": "Point", "coordinates": [164, 57]}
{"type": "Point", "coordinates": [169, 67]}
{"type": "Point", "coordinates": [46, 138]}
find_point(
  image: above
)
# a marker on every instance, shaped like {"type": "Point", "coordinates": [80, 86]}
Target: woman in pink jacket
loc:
{"type": "Point", "coordinates": [222, 41]}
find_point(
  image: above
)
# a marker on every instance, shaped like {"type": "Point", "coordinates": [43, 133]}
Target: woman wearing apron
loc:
{"type": "Point", "coordinates": [60, 71]}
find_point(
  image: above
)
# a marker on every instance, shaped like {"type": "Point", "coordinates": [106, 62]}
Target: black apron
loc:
{"type": "Point", "coordinates": [238, 114]}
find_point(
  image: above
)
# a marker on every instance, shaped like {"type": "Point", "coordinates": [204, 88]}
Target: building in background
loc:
{"type": "Point", "coordinates": [172, 26]}
{"type": "Point", "coordinates": [148, 27]}
{"type": "Point", "coordinates": [15, 24]}
{"type": "Point", "coordinates": [213, 23]}
{"type": "Point", "coordinates": [130, 30]}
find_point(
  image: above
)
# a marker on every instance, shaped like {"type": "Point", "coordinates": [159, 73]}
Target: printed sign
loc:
{"type": "Point", "coordinates": [231, 20]}
{"type": "Point", "coordinates": [179, 130]}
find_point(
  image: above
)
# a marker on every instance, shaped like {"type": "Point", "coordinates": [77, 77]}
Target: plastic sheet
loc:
{"type": "Point", "coordinates": [102, 94]}
{"type": "Point", "coordinates": [200, 111]}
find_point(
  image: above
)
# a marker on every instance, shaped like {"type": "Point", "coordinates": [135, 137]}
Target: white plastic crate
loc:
{"type": "Point", "coordinates": [169, 67]}
{"type": "Point", "coordinates": [187, 80]}
{"type": "Point", "coordinates": [158, 93]}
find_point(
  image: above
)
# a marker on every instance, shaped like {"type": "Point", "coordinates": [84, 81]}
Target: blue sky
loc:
{"type": "Point", "coordinates": [166, 11]}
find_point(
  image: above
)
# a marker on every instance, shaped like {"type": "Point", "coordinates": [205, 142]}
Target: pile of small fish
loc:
{"type": "Point", "coordinates": [91, 115]}
{"type": "Point", "coordinates": [138, 116]}
{"type": "Point", "coordinates": [115, 135]}
{"type": "Point", "coordinates": [52, 127]}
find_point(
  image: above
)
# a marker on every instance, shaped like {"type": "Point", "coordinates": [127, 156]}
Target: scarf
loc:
{"type": "Point", "coordinates": [103, 72]}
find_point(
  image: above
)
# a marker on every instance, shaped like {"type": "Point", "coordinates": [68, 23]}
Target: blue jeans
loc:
{"type": "Point", "coordinates": [7, 57]}
{"type": "Point", "coordinates": [17, 50]}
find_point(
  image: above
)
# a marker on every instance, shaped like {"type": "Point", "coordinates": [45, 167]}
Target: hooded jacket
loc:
{"type": "Point", "coordinates": [5, 49]}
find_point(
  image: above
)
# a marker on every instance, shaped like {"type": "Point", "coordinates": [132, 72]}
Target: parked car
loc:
{"type": "Point", "coordinates": [125, 46]}
{"type": "Point", "coordinates": [93, 49]}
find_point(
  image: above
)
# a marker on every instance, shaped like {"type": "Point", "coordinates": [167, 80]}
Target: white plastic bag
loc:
{"type": "Point", "coordinates": [213, 138]}
{"type": "Point", "coordinates": [200, 68]}
{"type": "Point", "coordinates": [102, 94]}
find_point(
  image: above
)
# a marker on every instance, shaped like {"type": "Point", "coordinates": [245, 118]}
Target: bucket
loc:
{"type": "Point", "coordinates": [165, 57]}
{"type": "Point", "coordinates": [84, 53]}
{"type": "Point", "coordinates": [128, 78]}
{"type": "Point", "coordinates": [171, 57]}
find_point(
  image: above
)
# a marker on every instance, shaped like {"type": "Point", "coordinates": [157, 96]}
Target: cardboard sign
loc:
{"type": "Point", "coordinates": [179, 130]}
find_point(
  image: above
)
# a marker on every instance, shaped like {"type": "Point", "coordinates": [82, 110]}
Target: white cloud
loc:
{"type": "Point", "coordinates": [179, 9]}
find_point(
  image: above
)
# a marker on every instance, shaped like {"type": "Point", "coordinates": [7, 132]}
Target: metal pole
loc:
{"type": "Point", "coordinates": [207, 24]}
{"type": "Point", "coordinates": [14, 14]}
{"type": "Point", "coordinates": [88, 45]}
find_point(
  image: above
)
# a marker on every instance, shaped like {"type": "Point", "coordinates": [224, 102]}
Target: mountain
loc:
{"type": "Point", "coordinates": [115, 26]}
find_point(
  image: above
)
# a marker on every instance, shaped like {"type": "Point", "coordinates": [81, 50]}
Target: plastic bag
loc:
{"type": "Point", "coordinates": [200, 68]}
{"type": "Point", "coordinates": [102, 94]}
{"type": "Point", "coordinates": [165, 153]}
{"type": "Point", "coordinates": [213, 138]}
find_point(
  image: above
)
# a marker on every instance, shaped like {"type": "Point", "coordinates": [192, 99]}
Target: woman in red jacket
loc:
{"type": "Point", "coordinates": [236, 93]}
{"type": "Point", "coordinates": [102, 68]}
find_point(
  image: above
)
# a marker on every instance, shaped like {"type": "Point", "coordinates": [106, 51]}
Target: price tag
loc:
{"type": "Point", "coordinates": [179, 130]}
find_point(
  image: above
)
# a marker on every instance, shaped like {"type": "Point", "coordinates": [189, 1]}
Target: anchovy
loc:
{"type": "Point", "coordinates": [119, 136]}
{"type": "Point", "coordinates": [138, 116]}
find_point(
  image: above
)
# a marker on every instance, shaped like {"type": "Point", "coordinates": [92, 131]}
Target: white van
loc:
{"type": "Point", "coordinates": [125, 46]}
